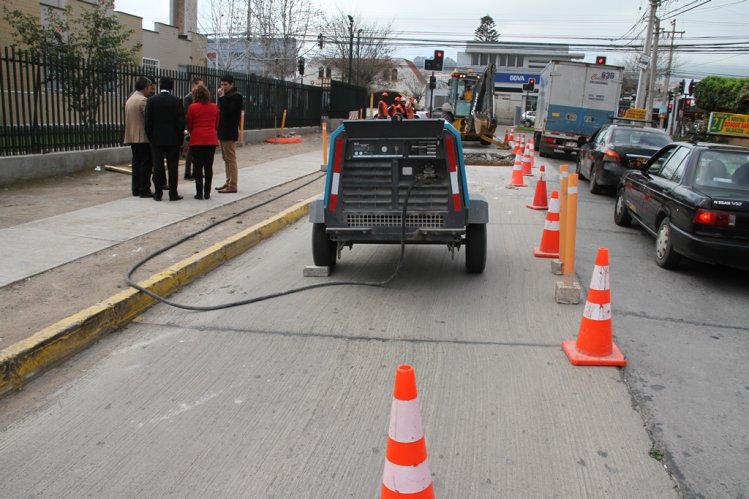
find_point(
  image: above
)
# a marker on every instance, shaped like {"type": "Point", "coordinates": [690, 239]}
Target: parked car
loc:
{"type": "Point", "coordinates": [694, 198]}
{"type": "Point", "coordinates": [614, 149]}
{"type": "Point", "coordinates": [529, 118]}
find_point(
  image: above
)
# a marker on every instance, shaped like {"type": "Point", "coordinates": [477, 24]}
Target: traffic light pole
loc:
{"type": "Point", "coordinates": [431, 93]}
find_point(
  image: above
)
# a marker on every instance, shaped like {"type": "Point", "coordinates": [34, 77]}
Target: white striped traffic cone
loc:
{"type": "Point", "coordinates": [407, 474]}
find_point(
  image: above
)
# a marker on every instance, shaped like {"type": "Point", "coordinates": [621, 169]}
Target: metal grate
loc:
{"type": "Point", "coordinates": [424, 221]}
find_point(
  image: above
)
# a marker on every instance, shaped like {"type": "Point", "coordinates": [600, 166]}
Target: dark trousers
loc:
{"type": "Point", "coordinates": [171, 154]}
{"type": "Point", "coordinates": [188, 159]}
{"type": "Point", "coordinates": [202, 168]}
{"type": "Point", "coordinates": [141, 163]}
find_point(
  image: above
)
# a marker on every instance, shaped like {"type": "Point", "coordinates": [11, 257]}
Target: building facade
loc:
{"type": "Point", "coordinates": [516, 64]}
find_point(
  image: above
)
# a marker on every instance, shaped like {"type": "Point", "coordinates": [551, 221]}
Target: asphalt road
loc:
{"type": "Point", "coordinates": [291, 397]}
{"type": "Point", "coordinates": [686, 336]}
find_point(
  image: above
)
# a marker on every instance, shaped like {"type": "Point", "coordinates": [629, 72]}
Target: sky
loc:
{"type": "Point", "coordinates": [442, 24]}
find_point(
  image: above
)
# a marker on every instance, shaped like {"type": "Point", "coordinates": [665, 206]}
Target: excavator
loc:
{"type": "Point", "coordinates": [471, 110]}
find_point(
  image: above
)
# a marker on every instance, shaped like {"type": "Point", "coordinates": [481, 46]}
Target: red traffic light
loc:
{"type": "Point", "coordinates": [531, 81]}
{"type": "Point", "coordinates": [600, 59]}
{"type": "Point", "coordinates": [439, 54]}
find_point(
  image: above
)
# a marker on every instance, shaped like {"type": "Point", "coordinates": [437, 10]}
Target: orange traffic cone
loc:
{"type": "Point", "coordinates": [527, 160]}
{"type": "Point", "coordinates": [406, 467]}
{"type": "Point", "coordinates": [539, 199]}
{"type": "Point", "coordinates": [595, 345]}
{"type": "Point", "coordinates": [517, 172]}
{"type": "Point", "coordinates": [549, 247]}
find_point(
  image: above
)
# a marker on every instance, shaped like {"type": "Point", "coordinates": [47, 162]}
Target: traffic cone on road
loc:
{"type": "Point", "coordinates": [549, 247]}
{"type": "Point", "coordinates": [517, 172]}
{"type": "Point", "coordinates": [528, 160]}
{"type": "Point", "coordinates": [539, 199]}
{"type": "Point", "coordinates": [406, 474]}
{"type": "Point", "coordinates": [595, 344]}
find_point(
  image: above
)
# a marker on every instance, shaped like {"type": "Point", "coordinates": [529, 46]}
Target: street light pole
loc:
{"type": "Point", "coordinates": [358, 54]}
{"type": "Point", "coordinates": [350, 48]}
{"type": "Point", "coordinates": [642, 81]}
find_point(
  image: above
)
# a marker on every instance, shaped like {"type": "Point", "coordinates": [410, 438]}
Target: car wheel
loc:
{"type": "Point", "coordinates": [594, 187]}
{"type": "Point", "coordinates": [475, 248]}
{"type": "Point", "coordinates": [323, 248]}
{"type": "Point", "coordinates": [665, 256]}
{"type": "Point", "coordinates": [579, 167]}
{"type": "Point", "coordinates": [621, 212]}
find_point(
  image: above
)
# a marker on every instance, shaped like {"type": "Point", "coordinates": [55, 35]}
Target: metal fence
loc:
{"type": "Point", "coordinates": [41, 112]}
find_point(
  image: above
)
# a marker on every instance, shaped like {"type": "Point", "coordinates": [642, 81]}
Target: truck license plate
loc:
{"type": "Point", "coordinates": [570, 144]}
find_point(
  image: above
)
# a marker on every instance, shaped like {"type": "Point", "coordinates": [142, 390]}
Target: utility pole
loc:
{"type": "Point", "coordinates": [653, 71]}
{"type": "Point", "coordinates": [645, 63]}
{"type": "Point", "coordinates": [358, 54]}
{"type": "Point", "coordinates": [672, 114]}
{"type": "Point", "coordinates": [350, 48]}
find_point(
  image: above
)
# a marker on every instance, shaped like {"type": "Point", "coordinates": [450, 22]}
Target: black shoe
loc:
{"type": "Point", "coordinates": [157, 197]}
{"type": "Point", "coordinates": [198, 196]}
{"type": "Point", "coordinates": [148, 194]}
{"type": "Point", "coordinates": [176, 198]}
{"type": "Point", "coordinates": [207, 195]}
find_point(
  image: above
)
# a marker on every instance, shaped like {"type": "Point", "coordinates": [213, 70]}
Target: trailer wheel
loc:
{"type": "Point", "coordinates": [475, 248]}
{"type": "Point", "coordinates": [537, 141]}
{"type": "Point", "coordinates": [323, 248]}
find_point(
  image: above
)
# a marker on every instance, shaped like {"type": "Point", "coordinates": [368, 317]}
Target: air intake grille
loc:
{"type": "Point", "coordinates": [367, 185]}
{"type": "Point", "coordinates": [424, 221]}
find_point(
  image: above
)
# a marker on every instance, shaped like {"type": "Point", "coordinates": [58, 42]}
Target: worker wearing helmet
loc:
{"type": "Point", "coordinates": [397, 107]}
{"type": "Point", "coordinates": [411, 108]}
{"type": "Point", "coordinates": [382, 107]}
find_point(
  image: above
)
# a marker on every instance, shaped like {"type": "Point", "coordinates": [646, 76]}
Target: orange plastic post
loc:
{"type": "Point", "coordinates": [324, 143]}
{"type": "Point", "coordinates": [568, 268]}
{"type": "Point", "coordinates": [563, 178]}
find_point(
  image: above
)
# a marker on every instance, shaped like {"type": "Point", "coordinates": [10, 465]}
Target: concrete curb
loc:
{"type": "Point", "coordinates": [31, 357]}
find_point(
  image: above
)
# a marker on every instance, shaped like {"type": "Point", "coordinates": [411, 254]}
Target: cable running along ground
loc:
{"type": "Point", "coordinates": [166, 301]}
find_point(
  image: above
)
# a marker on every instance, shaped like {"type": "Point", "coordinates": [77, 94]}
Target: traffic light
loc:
{"type": "Point", "coordinates": [432, 82]}
{"type": "Point", "coordinates": [439, 56]}
{"type": "Point", "coordinates": [531, 83]}
{"type": "Point", "coordinates": [681, 87]}
{"type": "Point", "coordinates": [670, 107]}
{"type": "Point", "coordinates": [320, 41]}
{"type": "Point", "coordinates": [692, 84]}
{"type": "Point", "coordinates": [600, 59]}
{"type": "Point", "coordinates": [687, 102]}
{"type": "Point", "coordinates": [301, 66]}
{"type": "Point", "coordinates": [429, 64]}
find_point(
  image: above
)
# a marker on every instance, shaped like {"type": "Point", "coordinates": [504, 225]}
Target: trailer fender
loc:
{"type": "Point", "coordinates": [478, 212]}
{"type": "Point", "coordinates": [317, 212]}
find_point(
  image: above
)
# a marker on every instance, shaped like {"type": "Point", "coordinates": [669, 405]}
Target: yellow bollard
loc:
{"type": "Point", "coordinates": [324, 144]}
{"type": "Point", "coordinates": [571, 225]}
{"type": "Point", "coordinates": [568, 291]}
{"type": "Point", "coordinates": [563, 178]}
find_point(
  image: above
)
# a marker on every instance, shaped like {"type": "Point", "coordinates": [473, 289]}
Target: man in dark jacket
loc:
{"type": "Point", "coordinates": [230, 104]}
{"type": "Point", "coordinates": [165, 128]}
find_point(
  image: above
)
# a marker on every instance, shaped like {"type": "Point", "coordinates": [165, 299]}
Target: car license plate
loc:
{"type": "Point", "coordinates": [570, 144]}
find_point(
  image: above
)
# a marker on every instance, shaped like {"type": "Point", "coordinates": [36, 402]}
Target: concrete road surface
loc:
{"type": "Point", "coordinates": [291, 397]}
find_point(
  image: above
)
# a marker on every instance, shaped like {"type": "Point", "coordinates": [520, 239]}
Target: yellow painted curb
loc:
{"type": "Point", "coordinates": [28, 358]}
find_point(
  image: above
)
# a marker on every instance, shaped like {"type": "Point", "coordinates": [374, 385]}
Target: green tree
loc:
{"type": "Point", "coordinates": [718, 93]}
{"type": "Point", "coordinates": [80, 52]}
{"type": "Point", "coordinates": [486, 32]}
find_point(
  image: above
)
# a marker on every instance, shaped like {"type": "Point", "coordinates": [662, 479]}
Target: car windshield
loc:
{"type": "Point", "coordinates": [639, 137]}
{"type": "Point", "coordinates": [723, 170]}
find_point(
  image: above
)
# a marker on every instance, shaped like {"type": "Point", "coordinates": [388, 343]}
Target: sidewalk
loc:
{"type": "Point", "coordinates": [37, 246]}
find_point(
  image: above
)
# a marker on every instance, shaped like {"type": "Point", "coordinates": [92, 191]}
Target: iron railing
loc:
{"type": "Point", "coordinates": [41, 113]}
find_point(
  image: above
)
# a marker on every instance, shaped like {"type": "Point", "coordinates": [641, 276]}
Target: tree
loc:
{"type": "Point", "coordinates": [371, 55]}
{"type": "Point", "coordinates": [228, 35]}
{"type": "Point", "coordinates": [81, 52]}
{"type": "Point", "coordinates": [718, 93]}
{"type": "Point", "coordinates": [486, 32]}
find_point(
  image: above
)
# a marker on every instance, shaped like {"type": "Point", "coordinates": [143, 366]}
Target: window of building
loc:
{"type": "Point", "coordinates": [474, 59]}
{"type": "Point", "coordinates": [510, 61]}
{"type": "Point", "coordinates": [503, 60]}
{"type": "Point", "coordinates": [395, 75]}
{"type": "Point", "coordinates": [328, 72]}
{"type": "Point", "coordinates": [150, 64]}
{"type": "Point", "coordinates": [484, 59]}
{"type": "Point", "coordinates": [321, 72]}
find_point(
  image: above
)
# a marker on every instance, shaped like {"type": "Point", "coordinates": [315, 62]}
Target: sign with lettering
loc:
{"type": "Point", "coordinates": [635, 113]}
{"type": "Point", "coordinates": [736, 125]}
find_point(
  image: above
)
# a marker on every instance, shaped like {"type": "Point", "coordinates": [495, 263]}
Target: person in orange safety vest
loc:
{"type": "Point", "coordinates": [382, 107]}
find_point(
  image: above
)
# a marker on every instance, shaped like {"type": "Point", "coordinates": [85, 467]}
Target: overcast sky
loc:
{"type": "Point", "coordinates": [444, 23]}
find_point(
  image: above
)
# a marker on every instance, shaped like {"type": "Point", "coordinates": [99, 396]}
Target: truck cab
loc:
{"type": "Point", "coordinates": [398, 182]}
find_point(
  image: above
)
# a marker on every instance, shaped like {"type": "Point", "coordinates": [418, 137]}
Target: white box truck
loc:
{"type": "Point", "coordinates": [574, 100]}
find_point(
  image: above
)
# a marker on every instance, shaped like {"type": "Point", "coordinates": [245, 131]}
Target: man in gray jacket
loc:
{"type": "Point", "coordinates": [135, 135]}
